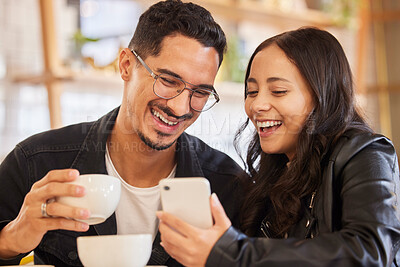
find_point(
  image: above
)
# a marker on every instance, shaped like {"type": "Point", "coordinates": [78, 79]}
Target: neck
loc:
{"type": "Point", "coordinates": [136, 163]}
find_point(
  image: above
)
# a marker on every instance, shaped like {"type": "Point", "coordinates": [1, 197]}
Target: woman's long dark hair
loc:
{"type": "Point", "coordinates": [274, 190]}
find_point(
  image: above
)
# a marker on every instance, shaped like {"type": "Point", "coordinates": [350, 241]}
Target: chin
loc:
{"type": "Point", "coordinates": [155, 145]}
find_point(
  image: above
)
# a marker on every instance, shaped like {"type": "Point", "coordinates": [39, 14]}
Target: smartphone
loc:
{"type": "Point", "coordinates": [187, 199]}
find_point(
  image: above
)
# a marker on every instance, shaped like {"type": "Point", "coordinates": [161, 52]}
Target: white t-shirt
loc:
{"type": "Point", "coordinates": [136, 211]}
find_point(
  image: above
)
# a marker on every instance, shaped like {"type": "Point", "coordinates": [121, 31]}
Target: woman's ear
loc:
{"type": "Point", "coordinates": [126, 62]}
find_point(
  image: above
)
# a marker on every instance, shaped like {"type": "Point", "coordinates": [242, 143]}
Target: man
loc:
{"type": "Point", "coordinates": [168, 72]}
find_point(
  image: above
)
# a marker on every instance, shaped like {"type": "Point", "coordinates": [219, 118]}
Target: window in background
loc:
{"type": "Point", "coordinates": [105, 27]}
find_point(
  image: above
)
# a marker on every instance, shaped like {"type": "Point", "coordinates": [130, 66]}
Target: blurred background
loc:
{"type": "Point", "coordinates": [58, 59]}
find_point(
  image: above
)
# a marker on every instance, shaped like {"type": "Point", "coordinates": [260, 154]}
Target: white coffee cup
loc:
{"type": "Point", "coordinates": [102, 196]}
{"type": "Point", "coordinates": [115, 250]}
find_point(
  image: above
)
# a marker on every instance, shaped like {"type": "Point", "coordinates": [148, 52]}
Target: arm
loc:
{"type": "Point", "coordinates": [23, 225]}
{"type": "Point", "coordinates": [369, 234]}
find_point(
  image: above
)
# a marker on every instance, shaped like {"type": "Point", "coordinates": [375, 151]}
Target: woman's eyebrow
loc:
{"type": "Point", "coordinates": [277, 79]}
{"type": "Point", "coordinates": [269, 80]}
{"type": "Point", "coordinates": [251, 80]}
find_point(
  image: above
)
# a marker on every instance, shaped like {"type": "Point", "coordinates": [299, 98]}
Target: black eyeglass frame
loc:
{"type": "Point", "coordinates": [155, 77]}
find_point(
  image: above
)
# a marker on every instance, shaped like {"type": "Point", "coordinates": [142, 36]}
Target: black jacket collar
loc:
{"type": "Point", "coordinates": [91, 159]}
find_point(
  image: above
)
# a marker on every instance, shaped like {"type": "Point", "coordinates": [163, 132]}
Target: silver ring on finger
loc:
{"type": "Point", "coordinates": [43, 208]}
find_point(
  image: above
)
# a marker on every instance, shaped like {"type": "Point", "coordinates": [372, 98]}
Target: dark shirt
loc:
{"type": "Point", "coordinates": [82, 147]}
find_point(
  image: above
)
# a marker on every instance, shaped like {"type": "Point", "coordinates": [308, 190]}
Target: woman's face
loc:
{"type": "Point", "coordinates": [278, 101]}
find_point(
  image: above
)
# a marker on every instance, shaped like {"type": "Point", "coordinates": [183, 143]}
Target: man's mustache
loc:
{"type": "Point", "coordinates": [170, 113]}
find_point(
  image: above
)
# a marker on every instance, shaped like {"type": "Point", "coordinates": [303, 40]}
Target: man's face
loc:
{"type": "Point", "coordinates": [156, 121]}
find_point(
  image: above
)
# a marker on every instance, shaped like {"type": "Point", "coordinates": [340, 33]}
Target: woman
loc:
{"type": "Point", "coordinates": [324, 188]}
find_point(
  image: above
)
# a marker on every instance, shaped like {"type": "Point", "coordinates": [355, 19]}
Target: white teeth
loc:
{"type": "Point", "coordinates": [161, 117]}
{"type": "Point", "coordinates": [264, 124]}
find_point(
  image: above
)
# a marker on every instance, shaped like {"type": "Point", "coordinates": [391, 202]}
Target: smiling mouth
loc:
{"type": "Point", "coordinates": [163, 119]}
{"type": "Point", "coordinates": [265, 126]}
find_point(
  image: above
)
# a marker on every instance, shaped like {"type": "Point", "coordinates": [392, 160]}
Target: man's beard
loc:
{"type": "Point", "coordinates": [153, 145]}
{"type": "Point", "coordinates": [170, 113]}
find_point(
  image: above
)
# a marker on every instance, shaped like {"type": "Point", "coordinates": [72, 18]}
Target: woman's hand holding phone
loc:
{"type": "Point", "coordinates": [192, 245]}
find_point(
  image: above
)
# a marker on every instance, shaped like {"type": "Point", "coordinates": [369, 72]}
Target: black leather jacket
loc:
{"type": "Point", "coordinates": [354, 221]}
{"type": "Point", "coordinates": [82, 147]}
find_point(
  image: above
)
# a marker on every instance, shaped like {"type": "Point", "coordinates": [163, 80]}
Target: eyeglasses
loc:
{"type": "Point", "coordinates": [167, 86]}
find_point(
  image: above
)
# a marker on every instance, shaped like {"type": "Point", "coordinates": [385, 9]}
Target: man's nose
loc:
{"type": "Point", "coordinates": [180, 105]}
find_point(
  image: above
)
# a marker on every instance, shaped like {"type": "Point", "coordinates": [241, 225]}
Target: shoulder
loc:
{"type": "Point", "coordinates": [210, 158]}
{"type": "Point", "coordinates": [353, 142]}
{"type": "Point", "coordinates": [70, 138]}
{"type": "Point", "coordinates": [67, 138]}
{"type": "Point", "coordinates": [365, 150]}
